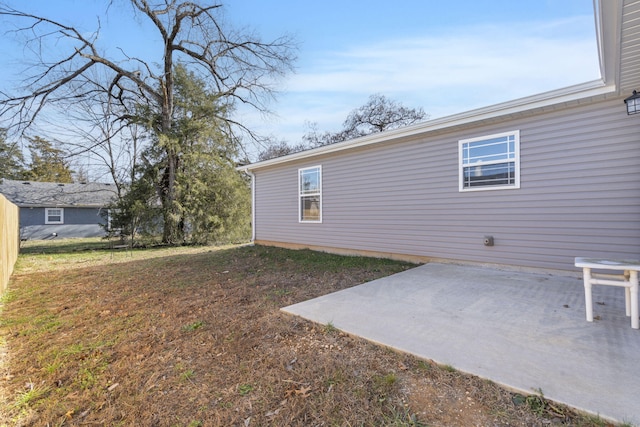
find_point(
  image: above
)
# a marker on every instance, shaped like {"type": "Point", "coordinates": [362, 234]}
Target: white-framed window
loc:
{"type": "Point", "coordinates": [490, 162]}
{"type": "Point", "coordinates": [310, 194]}
{"type": "Point", "coordinates": [54, 216]}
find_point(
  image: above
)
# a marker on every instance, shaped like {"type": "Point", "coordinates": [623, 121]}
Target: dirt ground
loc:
{"type": "Point", "coordinates": [194, 337]}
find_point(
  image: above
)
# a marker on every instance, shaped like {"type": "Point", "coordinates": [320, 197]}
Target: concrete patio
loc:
{"type": "Point", "coordinates": [526, 331]}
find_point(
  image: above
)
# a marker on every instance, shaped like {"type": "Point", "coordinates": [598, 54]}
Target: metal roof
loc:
{"type": "Point", "coordinates": [51, 194]}
{"type": "Point", "coordinates": [618, 36]}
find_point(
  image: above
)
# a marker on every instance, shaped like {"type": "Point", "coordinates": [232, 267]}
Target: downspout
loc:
{"type": "Point", "coordinates": [253, 205]}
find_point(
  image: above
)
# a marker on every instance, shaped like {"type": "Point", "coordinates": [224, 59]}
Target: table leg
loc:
{"type": "Point", "coordinates": [635, 322]}
{"type": "Point", "coordinates": [586, 273]}
{"type": "Point", "coordinates": [627, 293]}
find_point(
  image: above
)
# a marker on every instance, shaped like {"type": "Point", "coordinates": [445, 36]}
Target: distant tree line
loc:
{"type": "Point", "coordinates": [48, 163]}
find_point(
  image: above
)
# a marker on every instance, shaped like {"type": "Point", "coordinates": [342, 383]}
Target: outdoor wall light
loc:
{"type": "Point", "coordinates": [633, 103]}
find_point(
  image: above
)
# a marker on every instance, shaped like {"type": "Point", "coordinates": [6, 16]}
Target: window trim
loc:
{"type": "Point", "coordinates": [318, 193]}
{"type": "Point", "coordinates": [46, 216]}
{"type": "Point", "coordinates": [515, 161]}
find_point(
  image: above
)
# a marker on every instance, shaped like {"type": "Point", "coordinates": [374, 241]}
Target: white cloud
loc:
{"type": "Point", "coordinates": [445, 74]}
{"type": "Point", "coordinates": [484, 55]}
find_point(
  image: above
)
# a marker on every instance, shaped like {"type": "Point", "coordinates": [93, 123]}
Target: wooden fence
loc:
{"type": "Point", "coordinates": [9, 240]}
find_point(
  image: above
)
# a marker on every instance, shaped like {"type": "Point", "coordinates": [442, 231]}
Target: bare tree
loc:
{"type": "Point", "coordinates": [239, 66]}
{"type": "Point", "coordinates": [113, 145]}
{"type": "Point", "coordinates": [377, 115]}
{"type": "Point", "coordinates": [279, 149]}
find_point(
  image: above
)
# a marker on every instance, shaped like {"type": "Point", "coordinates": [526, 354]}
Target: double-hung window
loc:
{"type": "Point", "coordinates": [54, 216]}
{"type": "Point", "coordinates": [310, 194]}
{"type": "Point", "coordinates": [490, 162]}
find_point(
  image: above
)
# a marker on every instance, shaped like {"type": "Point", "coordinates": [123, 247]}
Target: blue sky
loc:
{"type": "Point", "coordinates": [422, 53]}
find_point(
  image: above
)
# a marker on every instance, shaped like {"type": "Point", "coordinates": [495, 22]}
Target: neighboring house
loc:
{"type": "Point", "coordinates": [531, 183]}
{"type": "Point", "coordinates": [52, 210]}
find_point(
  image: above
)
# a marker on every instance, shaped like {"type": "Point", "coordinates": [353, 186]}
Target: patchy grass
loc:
{"type": "Point", "coordinates": [194, 337]}
{"type": "Point", "coordinates": [32, 394]}
{"type": "Point", "coordinates": [63, 246]}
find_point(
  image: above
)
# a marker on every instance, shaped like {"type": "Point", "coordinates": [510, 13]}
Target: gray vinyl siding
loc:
{"type": "Point", "coordinates": [36, 216]}
{"type": "Point", "coordinates": [78, 222]}
{"type": "Point", "coordinates": [579, 195]}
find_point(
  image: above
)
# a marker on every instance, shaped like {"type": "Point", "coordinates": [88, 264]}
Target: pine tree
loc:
{"type": "Point", "coordinates": [211, 200]}
{"type": "Point", "coordinates": [11, 159]}
{"type": "Point", "coordinates": [47, 162]}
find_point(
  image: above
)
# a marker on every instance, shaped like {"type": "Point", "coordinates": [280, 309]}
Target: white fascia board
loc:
{"type": "Point", "coordinates": [608, 22]}
{"type": "Point", "coordinates": [584, 91]}
{"type": "Point", "coordinates": [53, 205]}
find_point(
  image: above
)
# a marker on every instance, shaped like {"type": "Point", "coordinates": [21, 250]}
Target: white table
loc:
{"type": "Point", "coordinates": [628, 279]}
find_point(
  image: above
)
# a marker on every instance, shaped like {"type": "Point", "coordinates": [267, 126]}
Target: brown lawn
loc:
{"type": "Point", "coordinates": [194, 337]}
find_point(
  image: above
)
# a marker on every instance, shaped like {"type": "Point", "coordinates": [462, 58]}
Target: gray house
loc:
{"type": "Point", "coordinates": [52, 210]}
{"type": "Point", "coordinates": [532, 182]}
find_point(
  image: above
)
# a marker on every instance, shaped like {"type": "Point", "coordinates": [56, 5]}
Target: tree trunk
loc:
{"type": "Point", "coordinates": [171, 232]}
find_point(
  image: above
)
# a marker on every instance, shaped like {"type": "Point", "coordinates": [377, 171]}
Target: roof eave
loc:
{"type": "Point", "coordinates": [608, 23]}
{"type": "Point", "coordinates": [565, 96]}
{"type": "Point", "coordinates": [57, 205]}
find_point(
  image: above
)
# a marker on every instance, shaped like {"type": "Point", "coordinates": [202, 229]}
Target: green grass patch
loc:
{"type": "Point", "coordinates": [402, 417]}
{"type": "Point", "coordinates": [8, 296]}
{"type": "Point", "coordinates": [307, 259]}
{"type": "Point", "coordinates": [193, 326]}
{"type": "Point", "coordinates": [83, 348]}
{"type": "Point", "coordinates": [385, 382]}
{"type": "Point", "coordinates": [53, 366]}
{"type": "Point", "coordinates": [329, 328]}
{"type": "Point", "coordinates": [29, 397]}
{"type": "Point", "coordinates": [187, 374]}
{"type": "Point", "coordinates": [72, 349]}
{"type": "Point", "coordinates": [245, 389]}
{"type": "Point", "coordinates": [423, 365]}
{"type": "Point", "coordinates": [281, 292]}
{"type": "Point", "coordinates": [63, 246]}
{"type": "Point", "coordinates": [87, 378]}
{"type": "Point", "coordinates": [32, 324]}
{"type": "Point", "coordinates": [184, 373]}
